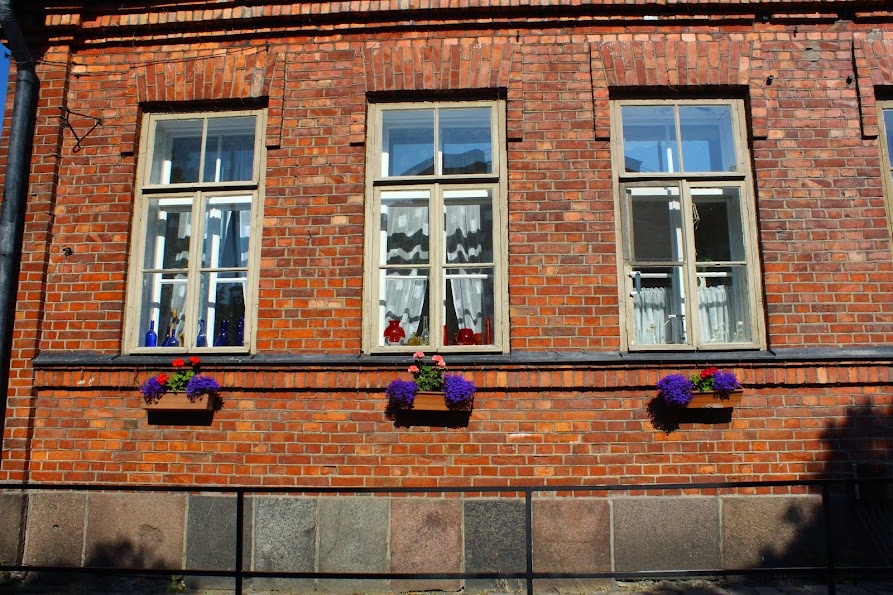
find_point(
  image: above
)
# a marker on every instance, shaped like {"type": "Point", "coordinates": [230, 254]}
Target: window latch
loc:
{"type": "Point", "coordinates": [636, 276]}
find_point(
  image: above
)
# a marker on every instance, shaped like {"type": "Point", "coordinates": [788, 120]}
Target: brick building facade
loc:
{"type": "Point", "coordinates": [567, 375]}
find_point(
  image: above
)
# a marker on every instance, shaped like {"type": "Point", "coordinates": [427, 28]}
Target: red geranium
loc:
{"type": "Point", "coordinates": [162, 378]}
{"type": "Point", "coordinates": [194, 360]}
{"type": "Point", "coordinates": [178, 363]}
{"type": "Point", "coordinates": [709, 372]}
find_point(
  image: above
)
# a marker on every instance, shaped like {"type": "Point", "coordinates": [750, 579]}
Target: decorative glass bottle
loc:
{"type": "Point", "coordinates": [222, 339]}
{"type": "Point", "coordinates": [151, 335]}
{"type": "Point", "coordinates": [201, 340]}
{"type": "Point", "coordinates": [240, 331]}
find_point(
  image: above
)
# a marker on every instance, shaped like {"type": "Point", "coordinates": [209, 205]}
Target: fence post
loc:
{"type": "Point", "coordinates": [829, 539]}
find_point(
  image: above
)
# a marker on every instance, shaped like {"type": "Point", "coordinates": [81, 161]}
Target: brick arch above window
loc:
{"type": "Point", "coordinates": [721, 63]}
{"type": "Point", "coordinates": [874, 68]}
{"type": "Point", "coordinates": [428, 67]}
{"type": "Point", "coordinates": [235, 75]}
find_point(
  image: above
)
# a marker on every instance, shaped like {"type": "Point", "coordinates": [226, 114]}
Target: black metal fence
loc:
{"type": "Point", "coordinates": [830, 572]}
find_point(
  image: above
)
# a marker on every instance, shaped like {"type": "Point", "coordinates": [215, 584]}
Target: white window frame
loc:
{"type": "Point", "coordinates": [197, 196]}
{"type": "Point", "coordinates": [435, 185]}
{"type": "Point", "coordinates": [740, 178]}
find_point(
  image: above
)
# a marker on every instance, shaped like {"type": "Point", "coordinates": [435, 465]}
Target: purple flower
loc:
{"type": "Point", "coordinates": [152, 390]}
{"type": "Point", "coordinates": [201, 385]}
{"type": "Point", "coordinates": [457, 391]}
{"type": "Point", "coordinates": [725, 382]}
{"type": "Point", "coordinates": [401, 394]}
{"type": "Point", "coordinates": [675, 389]}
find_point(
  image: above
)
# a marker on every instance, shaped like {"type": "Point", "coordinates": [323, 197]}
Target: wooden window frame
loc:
{"type": "Point", "coordinates": [886, 156]}
{"type": "Point", "coordinates": [436, 185]}
{"type": "Point", "coordinates": [197, 195]}
{"type": "Point", "coordinates": [741, 178]}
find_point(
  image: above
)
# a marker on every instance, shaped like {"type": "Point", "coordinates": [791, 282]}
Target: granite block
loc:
{"type": "Point", "coordinates": [572, 535]}
{"type": "Point", "coordinates": [138, 530]}
{"type": "Point", "coordinates": [11, 509]}
{"type": "Point", "coordinates": [284, 540]}
{"type": "Point", "coordinates": [55, 529]}
{"type": "Point", "coordinates": [664, 533]}
{"type": "Point", "coordinates": [211, 539]}
{"type": "Point", "coordinates": [766, 531]}
{"type": "Point", "coordinates": [353, 537]}
{"type": "Point", "coordinates": [495, 541]}
{"type": "Point", "coordinates": [426, 536]}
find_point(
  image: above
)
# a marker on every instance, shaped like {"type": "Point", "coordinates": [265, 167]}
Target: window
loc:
{"type": "Point", "coordinates": [689, 273]}
{"type": "Point", "coordinates": [887, 150]}
{"type": "Point", "coordinates": [195, 256]}
{"type": "Point", "coordinates": [436, 231]}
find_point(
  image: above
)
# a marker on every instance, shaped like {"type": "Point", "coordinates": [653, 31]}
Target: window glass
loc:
{"type": "Point", "coordinates": [407, 143]}
{"type": "Point", "coordinates": [404, 306]}
{"type": "Point", "coordinates": [227, 232]}
{"type": "Point", "coordinates": [658, 306]}
{"type": "Point", "coordinates": [888, 127]}
{"type": "Point", "coordinates": [717, 224]}
{"type": "Point", "coordinates": [465, 141]}
{"type": "Point", "coordinates": [222, 310]}
{"type": "Point", "coordinates": [707, 139]}
{"type": "Point", "coordinates": [469, 306]}
{"type": "Point", "coordinates": [649, 139]}
{"type": "Point", "coordinates": [405, 227]}
{"type": "Point", "coordinates": [177, 152]}
{"type": "Point", "coordinates": [656, 225]}
{"type": "Point", "coordinates": [468, 226]}
{"type": "Point", "coordinates": [229, 150]}
{"type": "Point", "coordinates": [723, 305]}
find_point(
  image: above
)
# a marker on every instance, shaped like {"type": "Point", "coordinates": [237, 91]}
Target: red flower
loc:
{"type": "Point", "coordinates": [162, 378]}
{"type": "Point", "coordinates": [194, 360]}
{"type": "Point", "coordinates": [178, 363]}
{"type": "Point", "coordinates": [709, 372]}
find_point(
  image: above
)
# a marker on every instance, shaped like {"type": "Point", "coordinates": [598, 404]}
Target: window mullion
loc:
{"type": "Point", "coordinates": [436, 256]}
{"type": "Point", "coordinates": [689, 259]}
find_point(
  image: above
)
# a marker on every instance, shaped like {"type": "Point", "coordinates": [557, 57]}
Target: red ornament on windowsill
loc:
{"type": "Point", "coordinates": [393, 334]}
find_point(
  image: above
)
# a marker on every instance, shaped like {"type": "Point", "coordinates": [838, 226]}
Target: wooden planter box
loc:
{"type": "Point", "coordinates": [715, 400]}
{"type": "Point", "coordinates": [433, 401]}
{"type": "Point", "coordinates": [178, 401]}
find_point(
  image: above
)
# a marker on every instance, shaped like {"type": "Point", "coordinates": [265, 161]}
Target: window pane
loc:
{"type": "Point", "coordinates": [649, 139]}
{"type": "Point", "coordinates": [723, 306]}
{"type": "Point", "coordinates": [169, 228]}
{"type": "Point", "coordinates": [175, 157]}
{"type": "Point", "coordinates": [222, 309]}
{"type": "Point", "coordinates": [405, 227]}
{"type": "Point", "coordinates": [656, 225]}
{"type": "Point", "coordinates": [229, 150]}
{"type": "Point", "coordinates": [659, 306]}
{"type": "Point", "coordinates": [465, 142]}
{"type": "Point", "coordinates": [468, 223]}
{"type": "Point", "coordinates": [717, 223]}
{"type": "Point", "coordinates": [163, 305]}
{"type": "Point", "coordinates": [407, 142]}
{"type": "Point", "coordinates": [404, 300]}
{"type": "Point", "coordinates": [469, 307]}
{"type": "Point", "coordinates": [888, 127]}
{"type": "Point", "coordinates": [226, 234]}
{"type": "Point", "coordinates": [707, 140]}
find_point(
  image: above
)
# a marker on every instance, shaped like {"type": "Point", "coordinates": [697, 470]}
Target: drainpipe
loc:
{"type": "Point", "coordinates": [15, 190]}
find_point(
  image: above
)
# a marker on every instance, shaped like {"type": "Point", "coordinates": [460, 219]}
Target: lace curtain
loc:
{"type": "Point", "coordinates": [719, 316]}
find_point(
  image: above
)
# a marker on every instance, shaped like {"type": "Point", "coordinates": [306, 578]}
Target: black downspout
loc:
{"type": "Point", "coordinates": [15, 191]}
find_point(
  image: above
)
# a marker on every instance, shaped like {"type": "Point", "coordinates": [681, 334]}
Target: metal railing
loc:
{"type": "Point", "coordinates": [830, 572]}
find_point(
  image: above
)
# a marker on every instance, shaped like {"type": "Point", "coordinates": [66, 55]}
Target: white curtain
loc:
{"type": "Point", "coordinates": [653, 326]}
{"type": "Point", "coordinates": [463, 232]}
{"type": "Point", "coordinates": [407, 239]}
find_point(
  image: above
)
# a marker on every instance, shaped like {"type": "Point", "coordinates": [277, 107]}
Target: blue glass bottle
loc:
{"type": "Point", "coordinates": [222, 339]}
{"type": "Point", "coordinates": [151, 335]}
{"type": "Point", "coordinates": [167, 338]}
{"type": "Point", "coordinates": [240, 331]}
{"type": "Point", "coordinates": [201, 340]}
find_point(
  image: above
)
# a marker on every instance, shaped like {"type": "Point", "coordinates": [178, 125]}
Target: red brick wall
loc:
{"type": "Point", "coordinates": [823, 233]}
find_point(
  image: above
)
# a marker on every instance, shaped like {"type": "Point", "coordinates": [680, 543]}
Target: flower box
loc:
{"type": "Point", "coordinates": [715, 400]}
{"type": "Point", "coordinates": [178, 401]}
{"type": "Point", "coordinates": [434, 401]}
